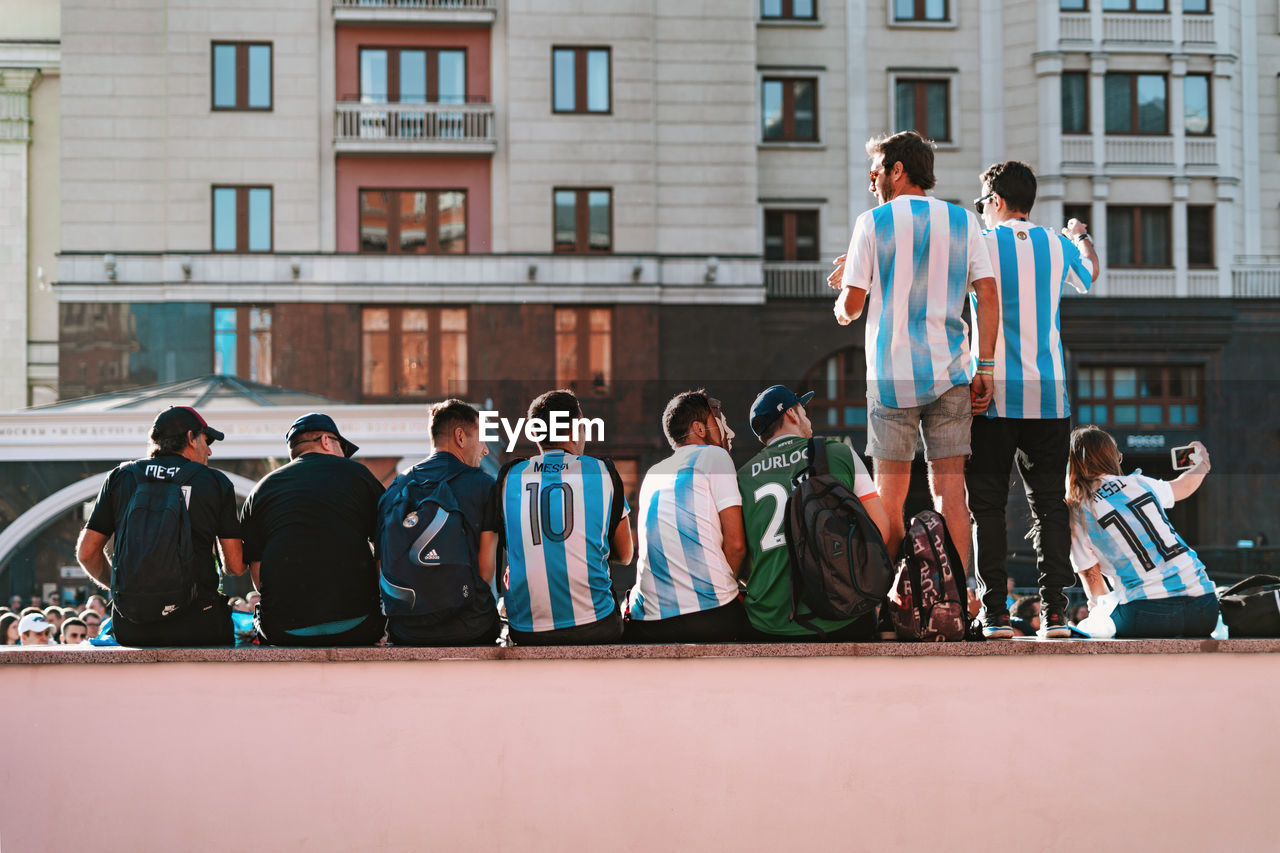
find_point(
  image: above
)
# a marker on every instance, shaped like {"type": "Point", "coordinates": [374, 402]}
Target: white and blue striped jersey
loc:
{"type": "Point", "coordinates": [555, 513]}
{"type": "Point", "coordinates": [1032, 267]}
{"type": "Point", "coordinates": [916, 257]}
{"type": "Point", "coordinates": [1123, 530]}
{"type": "Point", "coordinates": [682, 568]}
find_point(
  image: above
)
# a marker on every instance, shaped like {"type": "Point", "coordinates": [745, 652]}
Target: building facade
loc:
{"type": "Point", "coordinates": [401, 201]}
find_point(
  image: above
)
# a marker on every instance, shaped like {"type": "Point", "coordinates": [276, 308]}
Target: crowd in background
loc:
{"type": "Point", "coordinates": [52, 625]}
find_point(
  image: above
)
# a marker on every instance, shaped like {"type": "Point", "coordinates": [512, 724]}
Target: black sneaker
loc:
{"type": "Point", "coordinates": [1053, 626]}
{"type": "Point", "coordinates": [997, 627]}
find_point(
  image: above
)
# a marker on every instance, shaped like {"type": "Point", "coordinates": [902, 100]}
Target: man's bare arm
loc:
{"type": "Point", "coordinates": [488, 555]}
{"type": "Point", "coordinates": [92, 556]}
{"type": "Point", "coordinates": [849, 305]}
{"type": "Point", "coordinates": [1095, 585]}
{"type": "Point", "coordinates": [621, 546]}
{"type": "Point", "coordinates": [232, 556]}
{"type": "Point", "coordinates": [988, 320]}
{"type": "Point", "coordinates": [1076, 231]}
{"type": "Point", "coordinates": [255, 572]}
{"type": "Point", "coordinates": [735, 537]}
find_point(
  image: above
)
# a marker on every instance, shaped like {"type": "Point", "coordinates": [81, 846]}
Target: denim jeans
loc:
{"type": "Point", "coordinates": [1184, 616]}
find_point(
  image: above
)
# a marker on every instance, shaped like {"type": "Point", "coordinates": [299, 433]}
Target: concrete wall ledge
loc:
{"type": "Point", "coordinates": [1021, 647]}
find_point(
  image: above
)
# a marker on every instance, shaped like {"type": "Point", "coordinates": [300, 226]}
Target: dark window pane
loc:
{"type": "Point", "coordinates": [1155, 237]}
{"type": "Point", "coordinates": [224, 75]}
{"type": "Point", "coordinates": [1191, 414]}
{"type": "Point", "coordinates": [771, 109]}
{"type": "Point", "coordinates": [1175, 414]}
{"type": "Point", "coordinates": [1151, 382]}
{"type": "Point", "coordinates": [1125, 382]}
{"type": "Point", "coordinates": [1120, 236]}
{"type": "Point", "coordinates": [1200, 236]}
{"type": "Point", "coordinates": [771, 9]}
{"type": "Point", "coordinates": [1195, 5]}
{"type": "Point", "coordinates": [260, 76]}
{"type": "Point", "coordinates": [1071, 5]}
{"type": "Point", "coordinates": [1084, 414]}
{"type": "Point", "coordinates": [937, 125]}
{"type": "Point", "coordinates": [412, 209]}
{"type": "Point", "coordinates": [806, 236]}
{"type": "Point", "coordinates": [905, 108]}
{"type": "Point", "coordinates": [1150, 414]}
{"type": "Point", "coordinates": [224, 341]}
{"type": "Point", "coordinates": [566, 212]}
{"type": "Point", "coordinates": [1152, 115]}
{"type": "Point", "coordinates": [598, 215]}
{"type": "Point", "coordinates": [774, 238]}
{"type": "Point", "coordinates": [1075, 110]}
{"type": "Point", "coordinates": [806, 115]}
{"type": "Point", "coordinates": [564, 85]}
{"type": "Point", "coordinates": [452, 219]}
{"type": "Point", "coordinates": [373, 221]}
{"type": "Point", "coordinates": [598, 81]}
{"type": "Point", "coordinates": [1126, 414]}
{"type": "Point", "coordinates": [1118, 92]}
{"type": "Point", "coordinates": [802, 8]}
{"type": "Point", "coordinates": [1195, 90]}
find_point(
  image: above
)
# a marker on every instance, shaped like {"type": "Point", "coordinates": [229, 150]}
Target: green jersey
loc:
{"type": "Point", "coordinates": [766, 481]}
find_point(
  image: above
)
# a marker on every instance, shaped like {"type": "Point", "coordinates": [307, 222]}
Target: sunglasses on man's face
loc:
{"type": "Point", "coordinates": [980, 203]}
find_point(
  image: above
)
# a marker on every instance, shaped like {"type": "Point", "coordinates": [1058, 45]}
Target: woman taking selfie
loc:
{"type": "Point", "coordinates": [1119, 531]}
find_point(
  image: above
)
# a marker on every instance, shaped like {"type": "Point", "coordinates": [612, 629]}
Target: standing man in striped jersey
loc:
{"type": "Point", "coordinates": [691, 536]}
{"type": "Point", "coordinates": [561, 516]}
{"type": "Point", "coordinates": [1028, 416]}
{"type": "Point", "coordinates": [910, 263]}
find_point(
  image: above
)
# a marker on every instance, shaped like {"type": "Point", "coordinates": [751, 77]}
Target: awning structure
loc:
{"type": "Point", "coordinates": [254, 417]}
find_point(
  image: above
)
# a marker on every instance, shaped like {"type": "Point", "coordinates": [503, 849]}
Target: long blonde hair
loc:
{"type": "Point", "coordinates": [1092, 455]}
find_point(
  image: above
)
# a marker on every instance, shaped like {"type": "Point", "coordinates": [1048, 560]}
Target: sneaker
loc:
{"type": "Point", "coordinates": [1053, 626]}
{"type": "Point", "coordinates": [997, 627]}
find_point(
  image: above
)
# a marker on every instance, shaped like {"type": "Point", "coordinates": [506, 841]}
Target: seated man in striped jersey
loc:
{"type": "Point", "coordinates": [561, 517]}
{"type": "Point", "coordinates": [1029, 416]}
{"type": "Point", "coordinates": [691, 536]}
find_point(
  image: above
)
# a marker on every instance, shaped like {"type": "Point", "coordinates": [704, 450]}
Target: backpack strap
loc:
{"type": "Point", "coordinates": [1250, 582]}
{"type": "Point", "coordinates": [502, 528]}
{"type": "Point", "coordinates": [818, 456]}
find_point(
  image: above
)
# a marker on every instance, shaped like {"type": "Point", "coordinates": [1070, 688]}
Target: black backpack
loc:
{"type": "Point", "coordinates": [1251, 608]}
{"type": "Point", "coordinates": [154, 565]}
{"type": "Point", "coordinates": [428, 562]}
{"type": "Point", "coordinates": [840, 567]}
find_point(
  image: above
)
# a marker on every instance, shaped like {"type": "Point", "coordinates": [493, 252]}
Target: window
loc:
{"type": "Point", "coordinates": [242, 76]}
{"type": "Point", "coordinates": [242, 219]}
{"type": "Point", "coordinates": [417, 222]}
{"type": "Point", "coordinates": [1082, 212]}
{"type": "Point", "coordinates": [584, 349]}
{"type": "Point", "coordinates": [392, 75]}
{"type": "Point", "coordinates": [580, 80]}
{"type": "Point", "coordinates": [920, 10]}
{"type": "Point", "coordinates": [1075, 102]}
{"type": "Point", "coordinates": [1196, 7]}
{"type": "Point", "coordinates": [414, 353]}
{"type": "Point", "coordinates": [1134, 6]}
{"type": "Point", "coordinates": [1138, 237]}
{"type": "Point", "coordinates": [1136, 103]}
{"type": "Point", "coordinates": [1200, 235]}
{"type": "Point", "coordinates": [1140, 396]}
{"type": "Point", "coordinates": [583, 220]}
{"type": "Point", "coordinates": [1072, 5]}
{"type": "Point", "coordinates": [1197, 105]}
{"type": "Point", "coordinates": [791, 235]}
{"type": "Point", "coordinates": [839, 384]}
{"type": "Point", "coordinates": [242, 343]}
{"type": "Point", "coordinates": [924, 106]}
{"type": "Point", "coordinates": [788, 10]}
{"type": "Point", "coordinates": [789, 107]}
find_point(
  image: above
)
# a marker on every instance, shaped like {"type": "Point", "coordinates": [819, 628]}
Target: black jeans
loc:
{"type": "Point", "coordinates": [367, 633]}
{"type": "Point", "coordinates": [207, 622]}
{"type": "Point", "coordinates": [606, 630]}
{"type": "Point", "coordinates": [1040, 449]}
{"type": "Point", "coordinates": [722, 624]}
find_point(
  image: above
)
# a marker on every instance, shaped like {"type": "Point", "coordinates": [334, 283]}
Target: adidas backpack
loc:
{"type": "Point", "coordinates": [929, 601]}
{"type": "Point", "coordinates": [840, 567]}
{"type": "Point", "coordinates": [154, 564]}
{"type": "Point", "coordinates": [428, 564]}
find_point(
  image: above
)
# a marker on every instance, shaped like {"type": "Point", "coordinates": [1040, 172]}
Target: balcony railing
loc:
{"type": "Point", "coordinates": [1256, 279]}
{"type": "Point", "coordinates": [1136, 28]}
{"type": "Point", "coordinates": [1202, 283]}
{"type": "Point", "coordinates": [1140, 150]}
{"type": "Point", "coordinates": [1077, 149]}
{"type": "Point", "coordinates": [797, 280]}
{"type": "Point", "coordinates": [1198, 28]}
{"type": "Point", "coordinates": [1202, 151]}
{"type": "Point", "coordinates": [1075, 27]}
{"type": "Point", "coordinates": [461, 128]}
{"type": "Point", "coordinates": [442, 11]}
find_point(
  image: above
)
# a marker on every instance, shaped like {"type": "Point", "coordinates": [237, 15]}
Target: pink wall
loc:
{"type": "Point", "coordinates": [349, 38]}
{"type": "Point", "coordinates": [1056, 753]}
{"type": "Point", "coordinates": [356, 172]}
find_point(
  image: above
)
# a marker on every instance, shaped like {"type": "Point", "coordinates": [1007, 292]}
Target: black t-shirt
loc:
{"type": "Point", "coordinates": [211, 508]}
{"type": "Point", "coordinates": [310, 524]}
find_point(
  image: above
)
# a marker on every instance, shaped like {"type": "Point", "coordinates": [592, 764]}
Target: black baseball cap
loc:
{"type": "Point", "coordinates": [771, 403]}
{"type": "Point", "coordinates": [180, 420]}
{"type": "Point", "coordinates": [316, 422]}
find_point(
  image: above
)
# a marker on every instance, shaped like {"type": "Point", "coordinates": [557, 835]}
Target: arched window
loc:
{"type": "Point", "coordinates": [839, 384]}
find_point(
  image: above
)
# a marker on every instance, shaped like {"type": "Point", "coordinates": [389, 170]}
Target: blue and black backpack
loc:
{"type": "Point", "coordinates": [429, 565]}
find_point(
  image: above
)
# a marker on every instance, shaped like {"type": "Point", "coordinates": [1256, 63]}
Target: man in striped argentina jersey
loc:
{"type": "Point", "coordinates": [561, 516]}
{"type": "Point", "coordinates": [1119, 530]}
{"type": "Point", "coordinates": [1028, 416]}
{"type": "Point", "coordinates": [691, 536]}
{"type": "Point", "coordinates": [910, 262]}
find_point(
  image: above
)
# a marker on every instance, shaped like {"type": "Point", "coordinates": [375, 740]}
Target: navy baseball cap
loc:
{"type": "Point", "coordinates": [180, 420]}
{"type": "Point", "coordinates": [771, 403]}
{"type": "Point", "coordinates": [316, 422]}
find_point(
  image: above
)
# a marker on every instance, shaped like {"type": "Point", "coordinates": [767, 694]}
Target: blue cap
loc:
{"type": "Point", "coordinates": [316, 422]}
{"type": "Point", "coordinates": [770, 405]}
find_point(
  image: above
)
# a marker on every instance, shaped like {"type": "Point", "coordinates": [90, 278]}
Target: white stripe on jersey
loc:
{"type": "Point", "coordinates": [915, 256]}
{"type": "Point", "coordinates": [1032, 265]}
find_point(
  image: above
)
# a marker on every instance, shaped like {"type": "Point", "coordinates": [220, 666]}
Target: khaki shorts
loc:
{"type": "Point", "coordinates": [892, 434]}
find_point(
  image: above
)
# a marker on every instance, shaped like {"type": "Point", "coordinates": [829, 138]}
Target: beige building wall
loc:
{"type": "Point", "coordinates": [142, 147]}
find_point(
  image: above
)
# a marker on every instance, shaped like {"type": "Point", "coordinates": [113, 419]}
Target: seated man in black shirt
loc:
{"type": "Point", "coordinates": [455, 439]}
{"type": "Point", "coordinates": [179, 451]}
{"type": "Point", "coordinates": [307, 529]}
